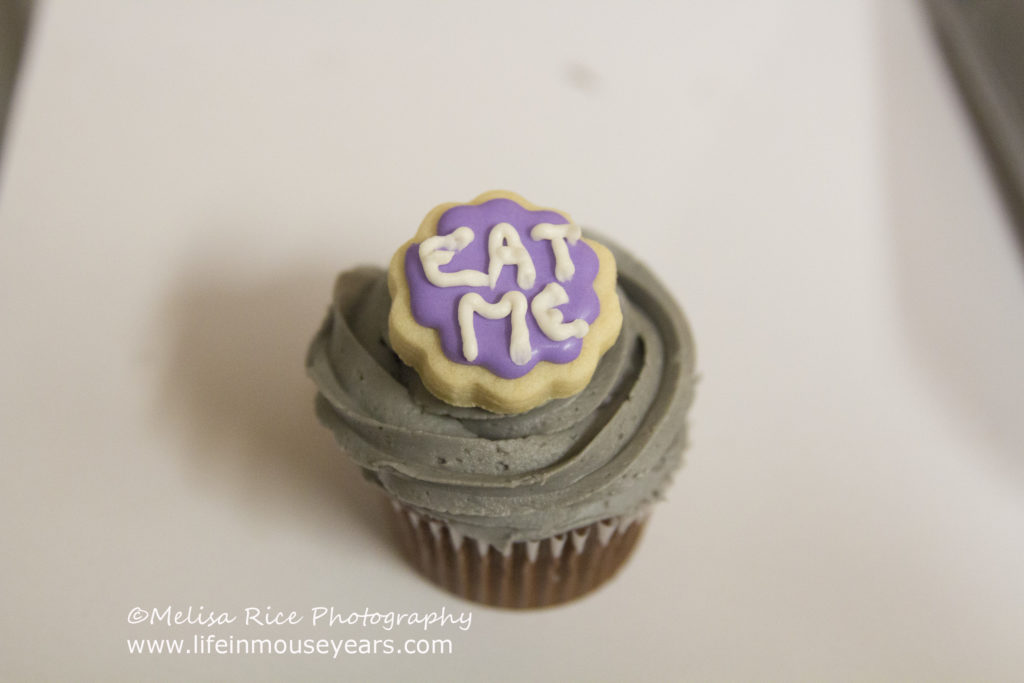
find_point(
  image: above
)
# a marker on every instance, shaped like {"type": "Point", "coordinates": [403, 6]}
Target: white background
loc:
{"type": "Point", "coordinates": [182, 181]}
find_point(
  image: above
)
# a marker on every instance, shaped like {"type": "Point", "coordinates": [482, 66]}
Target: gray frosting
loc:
{"type": "Point", "coordinates": [608, 451]}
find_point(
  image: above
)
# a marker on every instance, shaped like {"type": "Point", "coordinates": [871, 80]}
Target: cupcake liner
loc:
{"type": "Point", "coordinates": [524, 574]}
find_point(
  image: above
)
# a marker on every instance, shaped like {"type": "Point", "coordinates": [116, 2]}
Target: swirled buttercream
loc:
{"type": "Point", "coordinates": [608, 451]}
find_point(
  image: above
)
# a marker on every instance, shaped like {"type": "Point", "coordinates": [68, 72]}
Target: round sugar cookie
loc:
{"type": "Point", "coordinates": [501, 304]}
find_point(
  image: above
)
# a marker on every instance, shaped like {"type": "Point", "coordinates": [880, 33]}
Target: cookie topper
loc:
{"type": "Point", "coordinates": [501, 304]}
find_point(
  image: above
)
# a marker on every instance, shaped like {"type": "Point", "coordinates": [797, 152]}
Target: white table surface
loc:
{"type": "Point", "coordinates": [182, 180]}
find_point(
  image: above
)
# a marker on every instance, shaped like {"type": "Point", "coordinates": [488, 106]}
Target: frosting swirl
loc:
{"type": "Point", "coordinates": [607, 451]}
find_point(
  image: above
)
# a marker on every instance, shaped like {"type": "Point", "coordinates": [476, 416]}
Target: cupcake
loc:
{"type": "Point", "coordinates": [517, 388]}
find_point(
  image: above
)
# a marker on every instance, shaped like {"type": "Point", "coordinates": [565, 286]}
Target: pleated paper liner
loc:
{"type": "Point", "coordinates": [525, 574]}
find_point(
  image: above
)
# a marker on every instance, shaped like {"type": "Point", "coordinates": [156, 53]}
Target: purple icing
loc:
{"type": "Point", "coordinates": [437, 307]}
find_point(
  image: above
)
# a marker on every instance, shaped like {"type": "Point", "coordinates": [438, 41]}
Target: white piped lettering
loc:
{"type": "Point", "coordinates": [439, 250]}
{"type": "Point", "coordinates": [505, 248]}
{"type": "Point", "coordinates": [558, 234]}
{"type": "Point", "coordinates": [549, 318]}
{"type": "Point", "coordinates": [512, 304]}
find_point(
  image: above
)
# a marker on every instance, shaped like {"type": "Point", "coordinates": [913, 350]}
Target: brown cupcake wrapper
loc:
{"type": "Point", "coordinates": [524, 574]}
